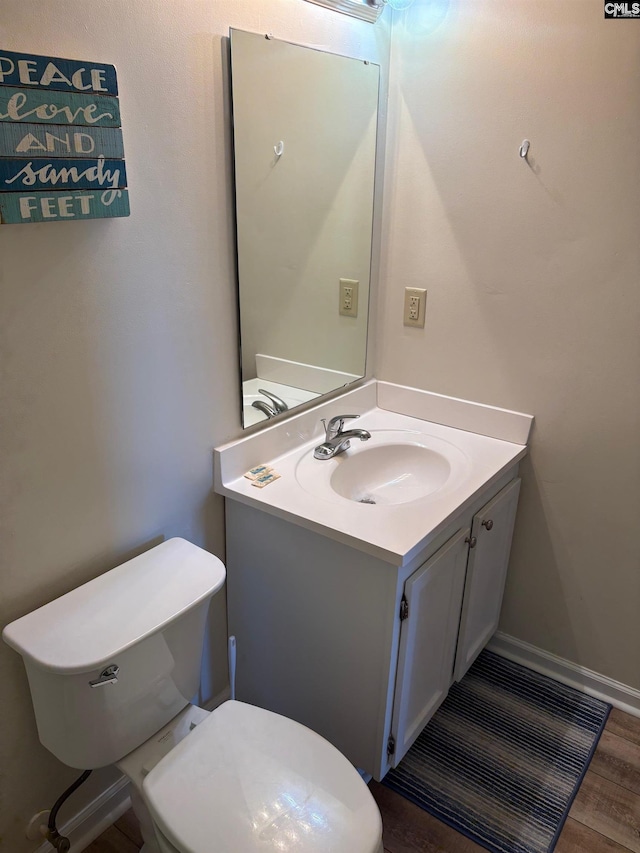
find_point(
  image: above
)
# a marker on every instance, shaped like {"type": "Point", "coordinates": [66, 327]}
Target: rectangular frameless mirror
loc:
{"type": "Point", "coordinates": [305, 125]}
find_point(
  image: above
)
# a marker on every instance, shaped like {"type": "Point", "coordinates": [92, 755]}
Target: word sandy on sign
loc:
{"type": "Point", "coordinates": [39, 174]}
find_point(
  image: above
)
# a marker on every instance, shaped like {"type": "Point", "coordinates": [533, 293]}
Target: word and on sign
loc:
{"type": "Point", "coordinates": [61, 151]}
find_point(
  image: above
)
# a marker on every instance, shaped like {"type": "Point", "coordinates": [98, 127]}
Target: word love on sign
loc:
{"type": "Point", "coordinates": [61, 152]}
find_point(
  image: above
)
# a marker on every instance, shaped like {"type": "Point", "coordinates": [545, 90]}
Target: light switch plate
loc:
{"type": "Point", "coordinates": [348, 305]}
{"type": "Point", "coordinates": [415, 303]}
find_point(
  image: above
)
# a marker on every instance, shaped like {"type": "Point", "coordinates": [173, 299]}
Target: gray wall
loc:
{"type": "Point", "coordinates": [119, 350]}
{"type": "Point", "coordinates": [532, 278]}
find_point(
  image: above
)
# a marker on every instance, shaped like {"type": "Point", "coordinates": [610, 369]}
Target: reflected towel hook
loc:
{"type": "Point", "coordinates": [279, 149]}
{"type": "Point", "coordinates": [524, 149]}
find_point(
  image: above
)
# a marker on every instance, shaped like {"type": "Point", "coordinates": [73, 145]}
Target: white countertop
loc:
{"type": "Point", "coordinates": [395, 533]}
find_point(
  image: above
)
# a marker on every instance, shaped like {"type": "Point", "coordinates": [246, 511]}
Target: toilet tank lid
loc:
{"type": "Point", "coordinates": [88, 626]}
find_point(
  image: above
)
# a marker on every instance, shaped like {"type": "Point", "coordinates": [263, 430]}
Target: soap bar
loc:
{"type": "Point", "coordinates": [265, 479]}
{"type": "Point", "coordinates": [258, 471]}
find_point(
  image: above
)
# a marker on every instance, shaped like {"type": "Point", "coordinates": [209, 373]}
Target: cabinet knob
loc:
{"type": "Point", "coordinates": [488, 523]}
{"type": "Point", "coordinates": [472, 541]}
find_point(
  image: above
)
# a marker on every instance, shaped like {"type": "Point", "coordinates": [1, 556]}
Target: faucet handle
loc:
{"type": "Point", "coordinates": [278, 404]}
{"type": "Point", "coordinates": [336, 424]}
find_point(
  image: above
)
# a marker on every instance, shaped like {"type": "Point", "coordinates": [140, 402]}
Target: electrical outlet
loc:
{"type": "Point", "coordinates": [415, 301]}
{"type": "Point", "coordinates": [348, 305]}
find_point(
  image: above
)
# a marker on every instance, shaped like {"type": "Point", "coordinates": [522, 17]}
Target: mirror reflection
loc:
{"type": "Point", "coordinates": [304, 125]}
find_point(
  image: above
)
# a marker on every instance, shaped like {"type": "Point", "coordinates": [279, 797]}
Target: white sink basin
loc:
{"type": "Point", "coordinates": [390, 474]}
{"type": "Point", "coordinates": [392, 467]}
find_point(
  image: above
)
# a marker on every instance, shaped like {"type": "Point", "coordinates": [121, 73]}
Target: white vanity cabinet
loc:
{"type": "Point", "coordinates": [430, 615]}
{"type": "Point", "coordinates": [361, 650]}
{"type": "Point", "coordinates": [491, 534]}
{"type": "Point", "coordinates": [449, 611]}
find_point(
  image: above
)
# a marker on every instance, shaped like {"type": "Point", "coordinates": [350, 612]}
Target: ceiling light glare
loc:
{"type": "Point", "coordinates": [366, 10]}
{"type": "Point", "coordinates": [400, 5]}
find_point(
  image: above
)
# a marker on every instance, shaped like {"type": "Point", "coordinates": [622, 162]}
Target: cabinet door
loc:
{"type": "Point", "coordinates": [486, 575]}
{"type": "Point", "coordinates": [428, 641]}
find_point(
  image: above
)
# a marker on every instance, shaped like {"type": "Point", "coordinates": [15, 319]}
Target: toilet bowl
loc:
{"type": "Point", "coordinates": [111, 666]}
{"type": "Point", "coordinates": [246, 779]}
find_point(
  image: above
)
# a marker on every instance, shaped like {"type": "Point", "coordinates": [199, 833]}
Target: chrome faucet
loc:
{"type": "Point", "coordinates": [265, 408]}
{"type": "Point", "coordinates": [278, 404]}
{"type": "Point", "coordinates": [336, 439]}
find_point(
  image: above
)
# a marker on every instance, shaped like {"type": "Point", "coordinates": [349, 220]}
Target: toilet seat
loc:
{"type": "Point", "coordinates": [247, 780]}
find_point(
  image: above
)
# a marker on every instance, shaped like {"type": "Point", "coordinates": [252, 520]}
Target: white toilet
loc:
{"type": "Point", "coordinates": [112, 667]}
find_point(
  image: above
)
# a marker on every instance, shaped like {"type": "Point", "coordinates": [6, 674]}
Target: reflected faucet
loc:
{"type": "Point", "coordinates": [265, 408]}
{"type": "Point", "coordinates": [336, 439]}
{"type": "Point", "coordinates": [278, 404]}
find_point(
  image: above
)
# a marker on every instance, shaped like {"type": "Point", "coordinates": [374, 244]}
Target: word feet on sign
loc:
{"type": "Point", "coordinates": [61, 151]}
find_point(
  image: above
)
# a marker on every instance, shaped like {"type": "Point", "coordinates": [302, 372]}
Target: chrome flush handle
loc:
{"type": "Point", "coordinates": [107, 676]}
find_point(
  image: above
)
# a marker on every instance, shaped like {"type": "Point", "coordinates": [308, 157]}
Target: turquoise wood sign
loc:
{"type": "Point", "coordinates": [35, 105]}
{"type": "Point", "coordinates": [42, 174]}
{"type": "Point", "coordinates": [34, 140]}
{"type": "Point", "coordinates": [61, 151]}
{"type": "Point", "coordinates": [47, 72]}
{"type": "Point", "coordinates": [47, 207]}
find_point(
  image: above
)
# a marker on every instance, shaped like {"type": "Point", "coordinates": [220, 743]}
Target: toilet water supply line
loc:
{"type": "Point", "coordinates": [62, 844]}
{"type": "Point", "coordinates": [51, 833]}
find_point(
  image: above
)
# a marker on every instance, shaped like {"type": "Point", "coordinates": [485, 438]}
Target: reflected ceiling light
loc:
{"type": "Point", "coordinates": [399, 5]}
{"type": "Point", "coordinates": [366, 10]}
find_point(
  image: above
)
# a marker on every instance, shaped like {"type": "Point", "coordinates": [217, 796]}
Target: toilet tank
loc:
{"type": "Point", "coordinates": [114, 660]}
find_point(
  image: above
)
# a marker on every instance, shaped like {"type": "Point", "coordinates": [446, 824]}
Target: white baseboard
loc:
{"type": "Point", "coordinates": [592, 683]}
{"type": "Point", "coordinates": [91, 821]}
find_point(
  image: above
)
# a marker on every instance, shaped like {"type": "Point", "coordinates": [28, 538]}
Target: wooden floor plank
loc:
{"type": "Point", "coordinates": [618, 760]}
{"type": "Point", "coordinates": [609, 809]}
{"type": "Point", "coordinates": [578, 838]}
{"type": "Point", "coordinates": [128, 824]}
{"type": "Point", "coordinates": [112, 841]}
{"type": "Point", "coordinates": [624, 725]}
{"type": "Point", "coordinates": [406, 828]}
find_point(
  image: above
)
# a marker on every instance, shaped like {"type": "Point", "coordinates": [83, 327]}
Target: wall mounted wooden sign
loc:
{"type": "Point", "coordinates": [61, 151]}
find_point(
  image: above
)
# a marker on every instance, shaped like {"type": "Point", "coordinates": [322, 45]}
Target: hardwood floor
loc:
{"type": "Point", "coordinates": [123, 837]}
{"type": "Point", "coordinates": [604, 818]}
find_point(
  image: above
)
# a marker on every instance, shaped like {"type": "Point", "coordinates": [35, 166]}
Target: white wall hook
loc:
{"type": "Point", "coordinates": [524, 148]}
{"type": "Point", "coordinates": [279, 148]}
